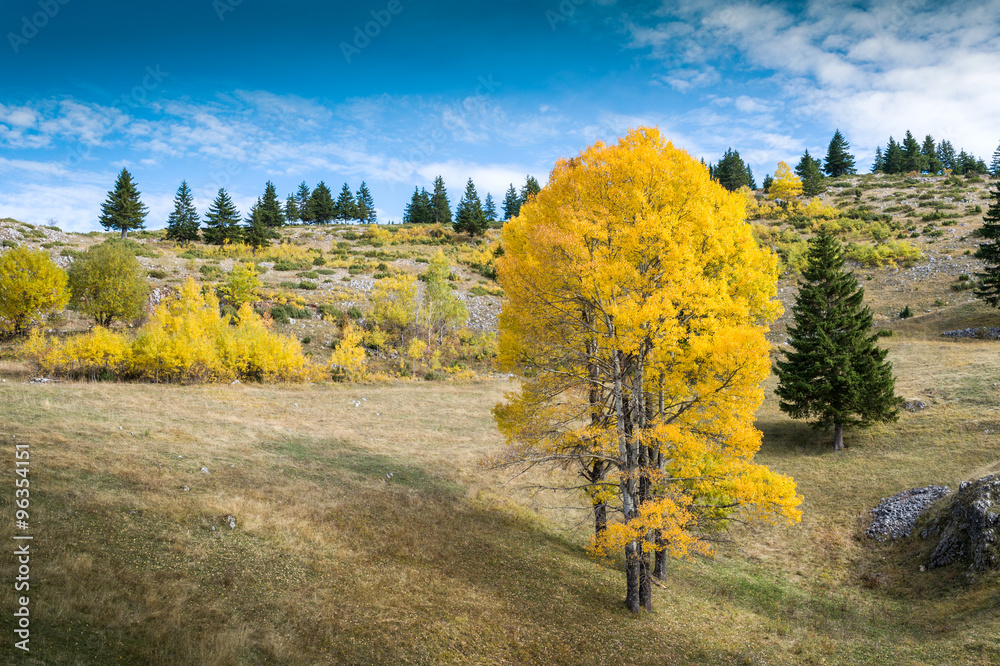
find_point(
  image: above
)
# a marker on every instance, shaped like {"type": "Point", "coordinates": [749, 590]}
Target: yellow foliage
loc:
{"type": "Point", "coordinates": [348, 360]}
{"type": "Point", "coordinates": [241, 285]}
{"type": "Point", "coordinates": [31, 286]}
{"type": "Point", "coordinates": [185, 340]}
{"type": "Point", "coordinates": [394, 303]}
{"type": "Point", "coordinates": [786, 183]}
{"type": "Point", "coordinates": [378, 234]}
{"type": "Point", "coordinates": [633, 287]}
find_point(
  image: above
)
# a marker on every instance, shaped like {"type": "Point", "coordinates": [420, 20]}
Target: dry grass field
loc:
{"type": "Point", "coordinates": [367, 531]}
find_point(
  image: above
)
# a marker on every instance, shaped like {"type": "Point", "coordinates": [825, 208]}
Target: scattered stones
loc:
{"type": "Point", "coordinates": [970, 529]}
{"type": "Point", "coordinates": [896, 516]}
{"type": "Point", "coordinates": [914, 405]}
{"type": "Point", "coordinates": [204, 470]}
{"type": "Point", "coordinates": [978, 333]}
{"type": "Point", "coordinates": [229, 520]}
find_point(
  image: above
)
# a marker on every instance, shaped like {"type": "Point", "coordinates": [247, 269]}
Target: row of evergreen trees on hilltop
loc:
{"type": "Point", "coordinates": [909, 156]}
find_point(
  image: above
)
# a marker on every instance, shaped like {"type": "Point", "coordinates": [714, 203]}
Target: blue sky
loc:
{"type": "Point", "coordinates": [232, 93]}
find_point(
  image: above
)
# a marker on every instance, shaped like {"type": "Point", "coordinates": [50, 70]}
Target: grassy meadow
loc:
{"type": "Point", "coordinates": [368, 530]}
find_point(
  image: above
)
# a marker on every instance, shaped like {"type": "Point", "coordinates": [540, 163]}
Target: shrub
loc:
{"type": "Point", "coordinates": [319, 261]}
{"type": "Point", "coordinates": [308, 274]}
{"type": "Point", "coordinates": [108, 283]}
{"type": "Point", "coordinates": [30, 286]}
{"type": "Point", "coordinates": [348, 359]}
{"type": "Point", "coordinates": [308, 285]}
{"type": "Point", "coordinates": [241, 286]}
{"type": "Point", "coordinates": [156, 274]}
{"type": "Point", "coordinates": [905, 313]}
{"type": "Point", "coordinates": [892, 253]}
{"type": "Point", "coordinates": [284, 265]}
{"type": "Point", "coordinates": [211, 271]}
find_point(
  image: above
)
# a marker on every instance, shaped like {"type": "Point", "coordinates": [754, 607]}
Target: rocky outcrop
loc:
{"type": "Point", "coordinates": [896, 516]}
{"type": "Point", "coordinates": [969, 528]}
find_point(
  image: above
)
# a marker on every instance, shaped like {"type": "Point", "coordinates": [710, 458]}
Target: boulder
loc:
{"type": "Point", "coordinates": [968, 530]}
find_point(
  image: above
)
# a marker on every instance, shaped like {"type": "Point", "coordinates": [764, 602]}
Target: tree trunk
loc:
{"type": "Point", "coordinates": [600, 518]}
{"type": "Point", "coordinates": [645, 584]}
{"type": "Point", "coordinates": [632, 601]}
{"type": "Point", "coordinates": [660, 565]}
{"type": "Point", "coordinates": [124, 233]}
{"type": "Point", "coordinates": [838, 437]}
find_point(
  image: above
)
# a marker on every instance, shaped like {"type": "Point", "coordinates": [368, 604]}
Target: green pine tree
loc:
{"type": "Point", "coordinates": [913, 158]}
{"type": "Point", "coordinates": [346, 207]}
{"type": "Point", "coordinates": [292, 211]}
{"type": "Point", "coordinates": [469, 216]}
{"type": "Point", "coordinates": [808, 169]}
{"type": "Point", "coordinates": [303, 198]}
{"type": "Point", "coordinates": [419, 211]}
{"type": "Point", "coordinates": [365, 206]}
{"type": "Point", "coordinates": [270, 207]}
{"type": "Point", "coordinates": [835, 371]}
{"type": "Point", "coordinates": [529, 189]}
{"type": "Point", "coordinates": [989, 280]}
{"type": "Point", "coordinates": [946, 153]}
{"type": "Point", "coordinates": [839, 162]}
{"type": "Point", "coordinates": [123, 210]}
{"type": "Point", "coordinates": [183, 223]}
{"type": "Point", "coordinates": [511, 203]}
{"type": "Point", "coordinates": [322, 210]}
{"type": "Point", "coordinates": [440, 205]}
{"type": "Point", "coordinates": [257, 233]}
{"type": "Point", "coordinates": [893, 157]}
{"type": "Point", "coordinates": [490, 208]}
{"type": "Point", "coordinates": [732, 172]}
{"type": "Point", "coordinates": [929, 151]}
{"type": "Point", "coordinates": [768, 182]}
{"type": "Point", "coordinates": [995, 163]}
{"type": "Point", "coordinates": [878, 166]}
{"type": "Point", "coordinates": [222, 221]}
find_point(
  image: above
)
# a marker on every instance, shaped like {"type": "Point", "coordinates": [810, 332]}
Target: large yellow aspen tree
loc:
{"type": "Point", "coordinates": [636, 308]}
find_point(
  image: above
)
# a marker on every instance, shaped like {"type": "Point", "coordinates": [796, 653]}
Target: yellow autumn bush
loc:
{"type": "Point", "coordinates": [185, 340]}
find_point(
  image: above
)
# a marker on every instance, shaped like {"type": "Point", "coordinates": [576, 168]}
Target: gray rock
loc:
{"type": "Point", "coordinates": [914, 405]}
{"type": "Point", "coordinates": [896, 516]}
{"type": "Point", "coordinates": [970, 528]}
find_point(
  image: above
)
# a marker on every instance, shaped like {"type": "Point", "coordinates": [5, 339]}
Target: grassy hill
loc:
{"type": "Point", "coordinates": [366, 530]}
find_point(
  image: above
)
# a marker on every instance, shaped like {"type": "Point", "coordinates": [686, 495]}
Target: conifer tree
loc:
{"type": "Point", "coordinates": [839, 162]}
{"type": "Point", "coordinates": [304, 196]}
{"type": "Point", "coordinates": [511, 203]}
{"type": "Point", "coordinates": [490, 208]}
{"type": "Point", "coordinates": [989, 280]}
{"type": "Point", "coordinates": [418, 211]}
{"type": "Point", "coordinates": [321, 207]}
{"type": "Point", "coordinates": [732, 172]}
{"type": "Point", "coordinates": [469, 216]}
{"type": "Point", "coordinates": [808, 170]}
{"type": "Point", "coordinates": [995, 163]}
{"type": "Point", "coordinates": [365, 205]}
{"type": "Point", "coordinates": [257, 233]}
{"type": "Point", "coordinates": [946, 153]}
{"type": "Point", "coordinates": [913, 158]}
{"type": "Point", "coordinates": [123, 210]}
{"type": "Point", "coordinates": [346, 207]}
{"type": "Point", "coordinates": [292, 211]}
{"type": "Point", "coordinates": [529, 189]}
{"type": "Point", "coordinates": [929, 151]}
{"type": "Point", "coordinates": [222, 221]}
{"type": "Point", "coordinates": [440, 205]}
{"type": "Point", "coordinates": [893, 157]}
{"type": "Point", "coordinates": [183, 223]}
{"type": "Point", "coordinates": [270, 208]}
{"type": "Point", "coordinates": [835, 371]}
{"type": "Point", "coordinates": [878, 166]}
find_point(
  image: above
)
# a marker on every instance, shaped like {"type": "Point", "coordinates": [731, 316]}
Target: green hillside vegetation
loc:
{"type": "Point", "coordinates": [367, 529]}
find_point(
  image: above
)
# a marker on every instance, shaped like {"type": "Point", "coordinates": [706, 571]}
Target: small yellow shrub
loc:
{"type": "Point", "coordinates": [348, 360]}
